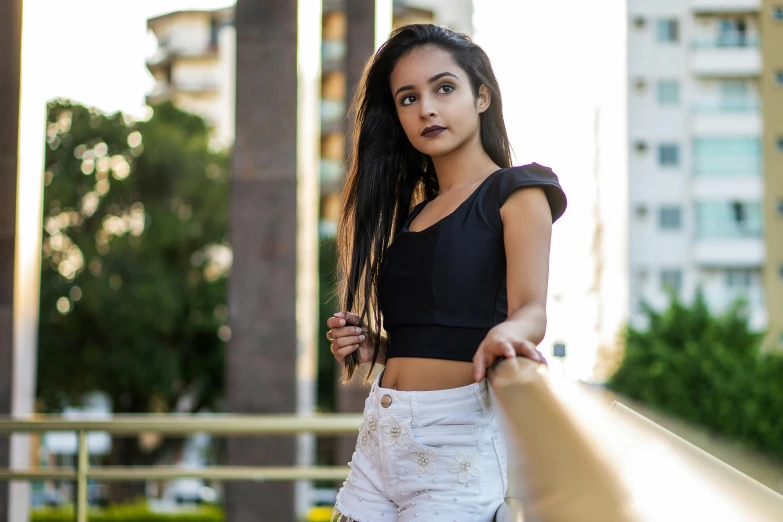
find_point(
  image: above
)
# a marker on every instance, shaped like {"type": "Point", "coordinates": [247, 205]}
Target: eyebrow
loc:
{"type": "Point", "coordinates": [431, 80]}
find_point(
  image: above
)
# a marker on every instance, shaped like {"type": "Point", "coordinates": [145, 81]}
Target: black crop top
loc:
{"type": "Point", "coordinates": [441, 289]}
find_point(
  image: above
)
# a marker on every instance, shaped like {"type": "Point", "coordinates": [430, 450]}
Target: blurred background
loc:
{"type": "Point", "coordinates": [171, 177]}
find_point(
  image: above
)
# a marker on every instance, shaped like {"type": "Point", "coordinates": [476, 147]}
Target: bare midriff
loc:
{"type": "Point", "coordinates": [419, 374]}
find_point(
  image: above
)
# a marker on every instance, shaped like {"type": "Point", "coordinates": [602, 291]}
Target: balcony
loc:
{"type": "Point", "coordinates": [706, 7]}
{"type": "Point", "coordinates": [727, 106]}
{"type": "Point", "coordinates": [167, 53]}
{"type": "Point", "coordinates": [330, 171]}
{"type": "Point", "coordinates": [727, 116]}
{"type": "Point", "coordinates": [332, 116]}
{"type": "Point", "coordinates": [727, 156]}
{"type": "Point", "coordinates": [733, 55]}
{"type": "Point", "coordinates": [728, 233]}
{"type": "Point", "coordinates": [735, 252]}
{"type": "Point", "coordinates": [196, 85]}
{"type": "Point", "coordinates": [333, 55]}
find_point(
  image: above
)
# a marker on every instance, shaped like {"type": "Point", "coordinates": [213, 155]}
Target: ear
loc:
{"type": "Point", "coordinates": [484, 99]}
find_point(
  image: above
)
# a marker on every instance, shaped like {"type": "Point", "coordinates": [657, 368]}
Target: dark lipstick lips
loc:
{"type": "Point", "coordinates": [433, 130]}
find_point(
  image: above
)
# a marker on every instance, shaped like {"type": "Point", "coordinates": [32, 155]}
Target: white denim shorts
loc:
{"type": "Point", "coordinates": [426, 456]}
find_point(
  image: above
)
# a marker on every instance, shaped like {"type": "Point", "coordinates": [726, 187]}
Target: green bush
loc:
{"type": "Point", "coordinates": [129, 513]}
{"type": "Point", "coordinates": [708, 370]}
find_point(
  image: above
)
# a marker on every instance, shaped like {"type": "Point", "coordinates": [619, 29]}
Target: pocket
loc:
{"type": "Point", "coordinates": [445, 434]}
{"type": "Point", "coordinates": [501, 452]}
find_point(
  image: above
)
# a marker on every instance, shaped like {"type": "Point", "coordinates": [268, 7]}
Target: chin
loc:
{"type": "Point", "coordinates": [435, 150]}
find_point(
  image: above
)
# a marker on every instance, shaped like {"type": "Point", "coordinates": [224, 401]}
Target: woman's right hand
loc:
{"type": "Point", "coordinates": [349, 336]}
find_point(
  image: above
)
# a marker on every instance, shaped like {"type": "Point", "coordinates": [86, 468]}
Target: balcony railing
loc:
{"type": "Point", "coordinates": [728, 41]}
{"type": "Point", "coordinates": [582, 461]}
{"type": "Point", "coordinates": [738, 105]}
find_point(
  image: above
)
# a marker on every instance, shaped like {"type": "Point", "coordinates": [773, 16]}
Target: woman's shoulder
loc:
{"type": "Point", "coordinates": [510, 179]}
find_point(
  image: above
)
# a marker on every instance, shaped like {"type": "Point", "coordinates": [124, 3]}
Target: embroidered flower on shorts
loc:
{"type": "Point", "coordinates": [424, 459]}
{"type": "Point", "coordinates": [371, 422]}
{"type": "Point", "coordinates": [364, 440]}
{"type": "Point", "coordinates": [395, 432]}
{"type": "Point", "coordinates": [465, 466]}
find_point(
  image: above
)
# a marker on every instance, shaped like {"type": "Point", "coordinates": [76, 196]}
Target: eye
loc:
{"type": "Point", "coordinates": [404, 100]}
{"type": "Point", "coordinates": [447, 87]}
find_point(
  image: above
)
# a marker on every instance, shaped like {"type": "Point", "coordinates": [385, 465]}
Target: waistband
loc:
{"type": "Point", "coordinates": [424, 404]}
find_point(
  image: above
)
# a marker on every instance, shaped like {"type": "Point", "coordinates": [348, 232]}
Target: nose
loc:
{"type": "Point", "coordinates": [427, 108]}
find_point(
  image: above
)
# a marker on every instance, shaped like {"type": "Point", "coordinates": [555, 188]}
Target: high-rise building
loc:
{"type": "Point", "coordinates": [705, 130]}
{"type": "Point", "coordinates": [194, 68]}
{"type": "Point", "coordinates": [456, 14]}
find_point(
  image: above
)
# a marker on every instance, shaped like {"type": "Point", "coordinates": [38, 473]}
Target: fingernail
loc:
{"type": "Point", "coordinates": [338, 314]}
{"type": "Point", "coordinates": [357, 330]}
{"type": "Point", "coordinates": [342, 322]}
{"type": "Point", "coordinates": [361, 338]}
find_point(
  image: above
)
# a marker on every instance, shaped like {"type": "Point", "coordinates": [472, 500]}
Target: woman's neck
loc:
{"type": "Point", "coordinates": [464, 166]}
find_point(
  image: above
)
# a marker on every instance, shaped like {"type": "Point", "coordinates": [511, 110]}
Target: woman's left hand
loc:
{"type": "Point", "coordinates": [502, 341]}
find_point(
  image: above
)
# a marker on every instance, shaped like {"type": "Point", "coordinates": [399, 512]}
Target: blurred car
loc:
{"type": "Point", "coordinates": [46, 497]}
{"type": "Point", "coordinates": [189, 491]}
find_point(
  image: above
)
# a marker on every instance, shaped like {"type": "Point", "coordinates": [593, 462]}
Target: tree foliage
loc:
{"type": "Point", "coordinates": [134, 261]}
{"type": "Point", "coordinates": [708, 370]}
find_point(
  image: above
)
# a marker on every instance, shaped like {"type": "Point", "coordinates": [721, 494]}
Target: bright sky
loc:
{"type": "Point", "coordinates": [552, 60]}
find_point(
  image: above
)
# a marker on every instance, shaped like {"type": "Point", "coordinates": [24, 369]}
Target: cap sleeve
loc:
{"type": "Point", "coordinates": [533, 175]}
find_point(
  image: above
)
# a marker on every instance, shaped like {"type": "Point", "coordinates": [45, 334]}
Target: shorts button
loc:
{"type": "Point", "coordinates": [386, 400]}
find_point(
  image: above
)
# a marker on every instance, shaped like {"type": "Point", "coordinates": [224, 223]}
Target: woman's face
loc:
{"type": "Point", "coordinates": [435, 102]}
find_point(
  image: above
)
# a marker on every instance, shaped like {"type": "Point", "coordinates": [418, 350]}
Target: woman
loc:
{"type": "Point", "coordinates": [456, 282]}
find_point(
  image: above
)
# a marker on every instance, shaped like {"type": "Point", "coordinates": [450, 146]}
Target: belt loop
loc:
{"type": "Point", "coordinates": [482, 394]}
{"type": "Point", "coordinates": [414, 407]}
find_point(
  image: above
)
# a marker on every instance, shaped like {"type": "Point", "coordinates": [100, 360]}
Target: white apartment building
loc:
{"type": "Point", "coordinates": [195, 66]}
{"type": "Point", "coordinates": [695, 172]}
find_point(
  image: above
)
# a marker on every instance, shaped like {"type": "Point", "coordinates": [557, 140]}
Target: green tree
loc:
{"type": "Point", "coordinates": [708, 370]}
{"type": "Point", "coordinates": [134, 262]}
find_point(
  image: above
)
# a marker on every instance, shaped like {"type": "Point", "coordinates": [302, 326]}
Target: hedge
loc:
{"type": "Point", "coordinates": [708, 370]}
{"type": "Point", "coordinates": [129, 513]}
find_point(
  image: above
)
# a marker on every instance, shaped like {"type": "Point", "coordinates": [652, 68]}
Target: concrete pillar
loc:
{"type": "Point", "coordinates": [262, 354]}
{"type": "Point", "coordinates": [10, 78]}
{"type": "Point", "coordinates": [360, 45]}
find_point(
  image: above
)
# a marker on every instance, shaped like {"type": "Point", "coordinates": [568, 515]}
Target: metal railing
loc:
{"type": "Point", "coordinates": [583, 461]}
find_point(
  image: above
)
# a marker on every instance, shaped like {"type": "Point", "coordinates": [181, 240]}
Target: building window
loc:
{"type": "Point", "coordinates": [779, 207]}
{"type": "Point", "coordinates": [668, 30]}
{"type": "Point", "coordinates": [738, 279]}
{"type": "Point", "coordinates": [727, 156]}
{"type": "Point", "coordinates": [779, 78]}
{"type": "Point", "coordinates": [671, 280]}
{"type": "Point", "coordinates": [780, 143]}
{"type": "Point", "coordinates": [733, 32]}
{"type": "Point", "coordinates": [669, 218]}
{"type": "Point", "coordinates": [728, 219]}
{"type": "Point", "coordinates": [668, 155]}
{"type": "Point", "coordinates": [777, 13]}
{"type": "Point", "coordinates": [780, 271]}
{"type": "Point", "coordinates": [668, 92]}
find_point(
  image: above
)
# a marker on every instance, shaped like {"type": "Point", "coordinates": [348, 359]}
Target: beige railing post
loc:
{"type": "Point", "coordinates": [83, 462]}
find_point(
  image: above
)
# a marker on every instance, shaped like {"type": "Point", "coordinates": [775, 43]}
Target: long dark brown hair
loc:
{"type": "Point", "coordinates": [387, 176]}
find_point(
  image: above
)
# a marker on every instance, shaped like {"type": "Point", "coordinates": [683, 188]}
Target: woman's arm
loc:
{"type": "Point", "coordinates": [527, 230]}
